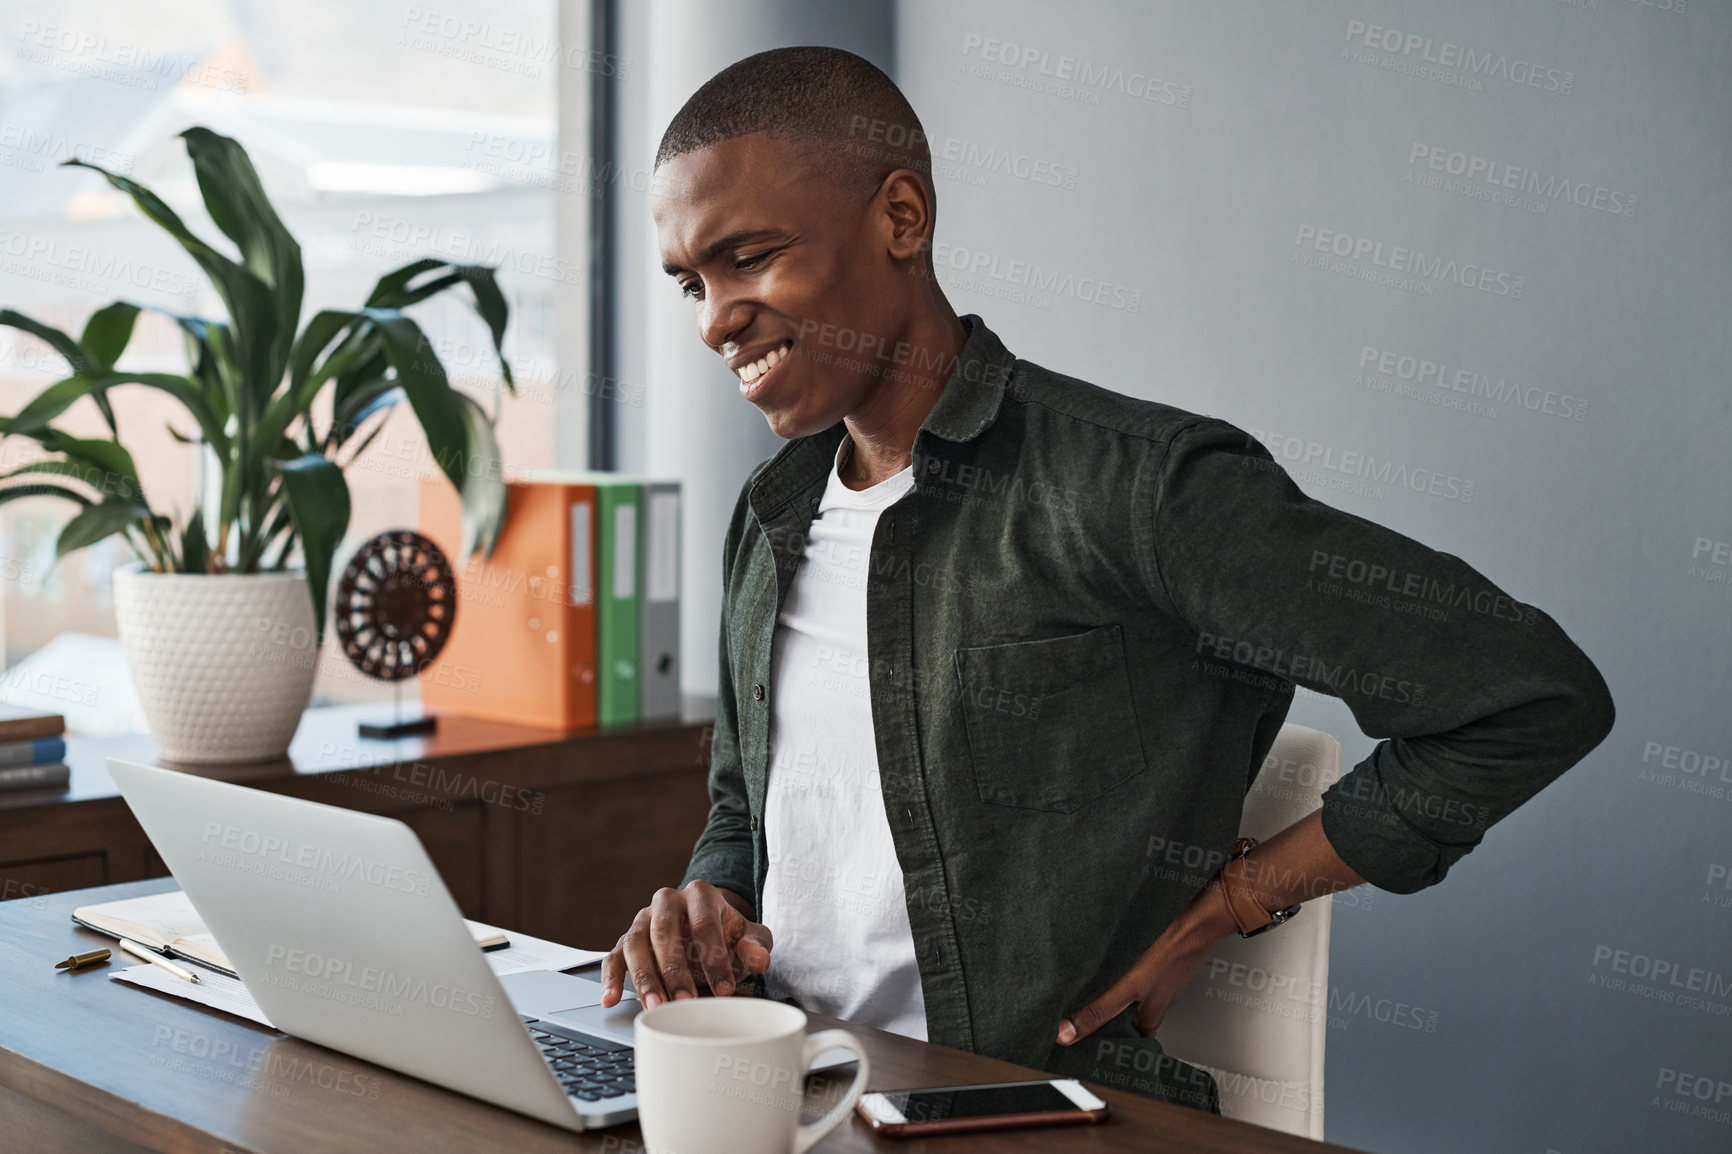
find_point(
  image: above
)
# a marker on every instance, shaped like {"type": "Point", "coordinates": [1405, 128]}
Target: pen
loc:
{"type": "Point", "coordinates": [156, 959]}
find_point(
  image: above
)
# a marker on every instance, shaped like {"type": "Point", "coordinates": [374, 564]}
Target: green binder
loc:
{"type": "Point", "coordinates": [619, 523]}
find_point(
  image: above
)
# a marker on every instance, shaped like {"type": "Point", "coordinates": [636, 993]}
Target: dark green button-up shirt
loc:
{"type": "Point", "coordinates": [1085, 625]}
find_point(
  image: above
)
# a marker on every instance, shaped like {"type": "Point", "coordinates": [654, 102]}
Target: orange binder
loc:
{"type": "Point", "coordinates": [522, 647]}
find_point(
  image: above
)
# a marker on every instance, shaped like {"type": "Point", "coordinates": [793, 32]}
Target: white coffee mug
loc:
{"type": "Point", "coordinates": [728, 1075]}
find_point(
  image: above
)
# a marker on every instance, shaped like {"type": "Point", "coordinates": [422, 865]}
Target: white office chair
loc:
{"type": "Point", "coordinates": [1257, 1013]}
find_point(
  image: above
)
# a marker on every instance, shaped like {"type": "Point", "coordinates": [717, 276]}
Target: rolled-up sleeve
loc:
{"type": "Point", "coordinates": [1481, 699]}
{"type": "Point", "coordinates": [723, 853]}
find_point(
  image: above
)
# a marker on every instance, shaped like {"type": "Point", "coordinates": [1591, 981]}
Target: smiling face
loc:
{"type": "Point", "coordinates": [792, 273]}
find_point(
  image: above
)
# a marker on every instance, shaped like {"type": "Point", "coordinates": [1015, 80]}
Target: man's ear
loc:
{"type": "Point", "coordinates": [907, 212]}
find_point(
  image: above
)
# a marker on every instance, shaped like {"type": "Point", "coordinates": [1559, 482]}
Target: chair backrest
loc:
{"type": "Point", "coordinates": [1256, 1014]}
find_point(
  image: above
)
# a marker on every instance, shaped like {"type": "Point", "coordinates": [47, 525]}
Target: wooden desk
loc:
{"type": "Point", "coordinates": [93, 1066]}
{"type": "Point", "coordinates": [564, 834]}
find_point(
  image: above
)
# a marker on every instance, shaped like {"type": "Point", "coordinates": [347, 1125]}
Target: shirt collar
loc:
{"type": "Point", "coordinates": [968, 404]}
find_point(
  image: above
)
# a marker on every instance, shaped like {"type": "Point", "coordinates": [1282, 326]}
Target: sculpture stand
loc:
{"type": "Point", "coordinates": [400, 726]}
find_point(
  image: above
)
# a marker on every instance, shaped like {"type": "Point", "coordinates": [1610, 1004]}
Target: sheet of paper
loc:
{"type": "Point", "coordinates": [524, 952]}
{"type": "Point", "coordinates": [528, 953]}
{"type": "Point", "coordinates": [225, 993]}
{"type": "Point", "coordinates": [212, 989]}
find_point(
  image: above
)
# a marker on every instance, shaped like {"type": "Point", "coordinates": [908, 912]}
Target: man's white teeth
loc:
{"type": "Point", "coordinates": [762, 365]}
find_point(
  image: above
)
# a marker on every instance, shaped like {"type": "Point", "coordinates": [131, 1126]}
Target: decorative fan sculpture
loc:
{"type": "Point", "coordinates": [394, 608]}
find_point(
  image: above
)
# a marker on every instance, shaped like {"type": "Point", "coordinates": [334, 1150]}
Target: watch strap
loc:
{"type": "Point", "coordinates": [1249, 914]}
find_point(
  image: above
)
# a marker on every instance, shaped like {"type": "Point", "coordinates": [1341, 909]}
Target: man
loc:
{"type": "Point", "coordinates": [994, 639]}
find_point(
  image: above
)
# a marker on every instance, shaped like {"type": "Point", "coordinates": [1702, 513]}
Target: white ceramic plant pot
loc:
{"type": "Point", "coordinates": [223, 663]}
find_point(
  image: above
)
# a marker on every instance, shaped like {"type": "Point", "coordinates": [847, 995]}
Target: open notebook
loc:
{"type": "Point", "coordinates": [166, 922]}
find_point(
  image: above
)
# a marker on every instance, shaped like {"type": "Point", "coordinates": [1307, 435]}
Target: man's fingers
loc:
{"type": "Point", "coordinates": [708, 916]}
{"type": "Point", "coordinates": [640, 960]}
{"type": "Point", "coordinates": [753, 948]}
{"type": "Point", "coordinates": [613, 974]}
{"type": "Point", "coordinates": [668, 937]}
{"type": "Point", "coordinates": [1151, 1012]}
{"type": "Point", "coordinates": [680, 940]}
{"type": "Point", "coordinates": [1102, 1010]}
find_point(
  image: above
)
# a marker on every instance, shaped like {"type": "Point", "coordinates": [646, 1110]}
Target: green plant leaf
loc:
{"type": "Point", "coordinates": [324, 328]}
{"type": "Point", "coordinates": [107, 333]}
{"type": "Point", "coordinates": [305, 380]}
{"type": "Point", "coordinates": [230, 398]}
{"type": "Point", "coordinates": [95, 522]}
{"type": "Point", "coordinates": [83, 471]}
{"type": "Point", "coordinates": [280, 521]}
{"type": "Point", "coordinates": [422, 378]}
{"type": "Point", "coordinates": [490, 304]}
{"type": "Point", "coordinates": [392, 290]}
{"type": "Point", "coordinates": [360, 383]}
{"type": "Point", "coordinates": [76, 356]}
{"type": "Point", "coordinates": [19, 492]}
{"type": "Point", "coordinates": [252, 306]}
{"type": "Point", "coordinates": [194, 548]}
{"type": "Point", "coordinates": [483, 487]}
{"type": "Point", "coordinates": [237, 203]}
{"type": "Point", "coordinates": [33, 420]}
{"type": "Point", "coordinates": [318, 500]}
{"type": "Point", "coordinates": [62, 344]}
{"type": "Point", "coordinates": [368, 439]}
{"type": "Point", "coordinates": [108, 466]}
{"type": "Point", "coordinates": [198, 337]}
{"type": "Point", "coordinates": [161, 539]}
{"type": "Point", "coordinates": [375, 397]}
{"type": "Point", "coordinates": [78, 470]}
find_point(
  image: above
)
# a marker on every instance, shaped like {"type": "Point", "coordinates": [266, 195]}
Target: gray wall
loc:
{"type": "Point", "coordinates": [690, 422]}
{"type": "Point", "coordinates": [1195, 186]}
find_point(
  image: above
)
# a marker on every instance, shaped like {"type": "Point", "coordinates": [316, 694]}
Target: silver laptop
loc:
{"type": "Point", "coordinates": [341, 929]}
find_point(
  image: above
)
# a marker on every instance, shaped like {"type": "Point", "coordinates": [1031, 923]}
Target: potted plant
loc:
{"type": "Point", "coordinates": [221, 634]}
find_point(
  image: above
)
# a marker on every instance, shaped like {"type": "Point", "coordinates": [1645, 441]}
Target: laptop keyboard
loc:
{"type": "Point", "coordinates": [589, 1071]}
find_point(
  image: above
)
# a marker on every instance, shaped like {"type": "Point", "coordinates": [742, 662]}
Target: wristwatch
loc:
{"type": "Point", "coordinates": [1248, 913]}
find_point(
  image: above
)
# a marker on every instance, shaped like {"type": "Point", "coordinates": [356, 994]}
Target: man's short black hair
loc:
{"type": "Point", "coordinates": [837, 107]}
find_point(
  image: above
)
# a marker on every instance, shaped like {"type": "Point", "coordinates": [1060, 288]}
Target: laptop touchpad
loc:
{"type": "Point", "coordinates": [540, 992]}
{"type": "Point", "coordinates": [613, 1024]}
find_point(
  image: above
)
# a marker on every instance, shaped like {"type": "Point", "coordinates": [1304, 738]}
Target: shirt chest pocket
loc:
{"type": "Point", "coordinates": [1050, 722]}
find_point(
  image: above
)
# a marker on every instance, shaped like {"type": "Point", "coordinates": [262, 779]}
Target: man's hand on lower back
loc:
{"type": "Point", "coordinates": [1157, 978]}
{"type": "Point", "coordinates": [1295, 865]}
{"type": "Point", "coordinates": [686, 942]}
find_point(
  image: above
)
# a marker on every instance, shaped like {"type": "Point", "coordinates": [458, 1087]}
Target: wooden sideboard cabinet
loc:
{"type": "Point", "coordinates": [564, 834]}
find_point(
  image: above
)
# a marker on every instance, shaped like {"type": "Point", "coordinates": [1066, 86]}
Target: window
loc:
{"type": "Point", "coordinates": [382, 132]}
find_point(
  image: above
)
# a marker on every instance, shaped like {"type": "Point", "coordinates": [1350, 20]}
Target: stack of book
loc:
{"type": "Point", "coordinates": [32, 750]}
{"type": "Point", "coordinates": [575, 619]}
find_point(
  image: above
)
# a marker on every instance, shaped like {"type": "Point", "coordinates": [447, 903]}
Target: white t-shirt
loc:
{"type": "Point", "coordinates": [833, 895]}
